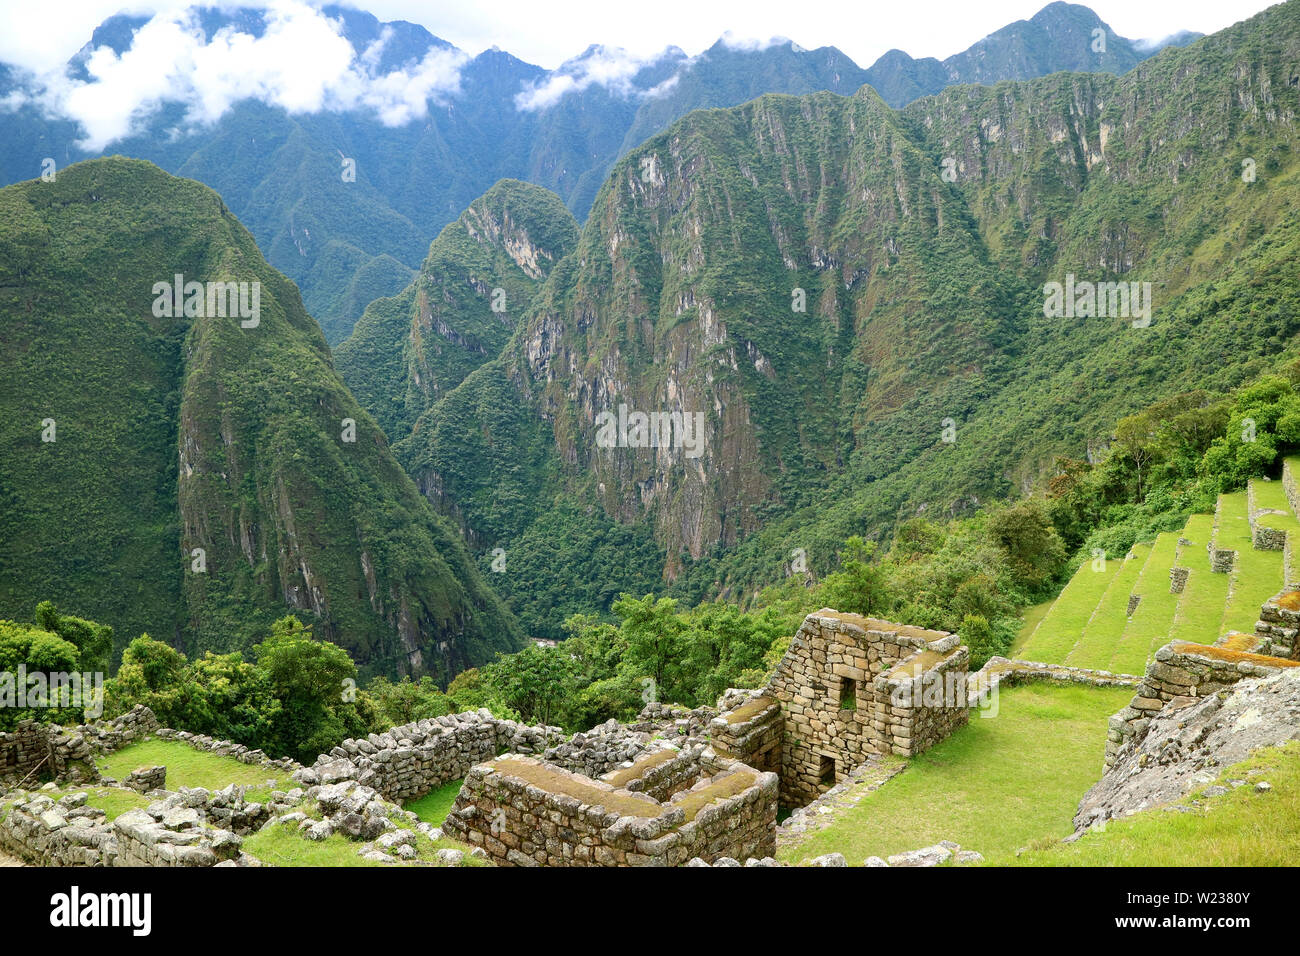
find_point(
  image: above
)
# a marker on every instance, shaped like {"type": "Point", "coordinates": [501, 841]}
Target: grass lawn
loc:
{"type": "Point", "coordinates": [434, 806]}
{"type": "Point", "coordinates": [1061, 626]}
{"type": "Point", "coordinates": [283, 846]}
{"type": "Point", "coordinates": [1097, 644]}
{"type": "Point", "coordinates": [187, 767]}
{"type": "Point", "coordinates": [1238, 828]}
{"type": "Point", "coordinates": [996, 785]}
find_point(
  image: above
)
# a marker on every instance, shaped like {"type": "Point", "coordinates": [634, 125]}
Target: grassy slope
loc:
{"type": "Point", "coordinates": [1149, 626]}
{"type": "Point", "coordinates": [1240, 828]}
{"type": "Point", "coordinates": [1200, 606]}
{"type": "Point", "coordinates": [993, 786]}
{"type": "Point", "coordinates": [1256, 575]}
{"type": "Point", "coordinates": [1099, 639]}
{"type": "Point", "coordinates": [1029, 621]}
{"type": "Point", "coordinates": [1059, 631]}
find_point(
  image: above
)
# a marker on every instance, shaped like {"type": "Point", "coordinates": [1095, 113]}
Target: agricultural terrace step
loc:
{"type": "Point", "coordinates": [1228, 655]}
{"type": "Point", "coordinates": [1065, 620]}
{"type": "Point", "coordinates": [1096, 645]}
{"type": "Point", "coordinates": [1205, 594]}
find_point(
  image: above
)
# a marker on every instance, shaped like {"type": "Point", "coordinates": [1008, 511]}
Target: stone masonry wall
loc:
{"type": "Point", "coordinates": [1181, 670]}
{"type": "Point", "coordinates": [913, 713]}
{"type": "Point", "coordinates": [1278, 627]}
{"type": "Point", "coordinates": [752, 733]}
{"type": "Point", "coordinates": [35, 751]}
{"type": "Point", "coordinates": [835, 659]}
{"type": "Point", "coordinates": [67, 832]}
{"type": "Point", "coordinates": [524, 812]}
{"type": "Point", "coordinates": [406, 762]}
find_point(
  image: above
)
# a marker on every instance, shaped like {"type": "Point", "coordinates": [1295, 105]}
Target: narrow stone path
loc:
{"type": "Point", "coordinates": [7, 860]}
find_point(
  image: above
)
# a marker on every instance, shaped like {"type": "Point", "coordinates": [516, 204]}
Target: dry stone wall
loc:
{"type": "Point", "coordinates": [177, 831]}
{"type": "Point", "coordinates": [850, 687]}
{"type": "Point", "coordinates": [408, 761]}
{"type": "Point", "coordinates": [525, 812]}
{"type": "Point", "coordinates": [35, 751]}
{"type": "Point", "coordinates": [1278, 627]}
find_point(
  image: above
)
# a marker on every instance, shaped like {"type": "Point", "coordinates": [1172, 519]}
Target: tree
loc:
{"type": "Point", "coordinates": [654, 638]}
{"type": "Point", "coordinates": [313, 681]}
{"type": "Point", "coordinates": [860, 585]}
{"type": "Point", "coordinates": [533, 682]}
{"type": "Point", "coordinates": [93, 641]}
{"type": "Point", "coordinates": [33, 651]}
{"type": "Point", "coordinates": [1024, 531]}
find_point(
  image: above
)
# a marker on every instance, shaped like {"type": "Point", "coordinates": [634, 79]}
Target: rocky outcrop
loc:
{"type": "Point", "coordinates": [1189, 741]}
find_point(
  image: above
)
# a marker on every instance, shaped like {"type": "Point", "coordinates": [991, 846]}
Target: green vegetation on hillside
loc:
{"type": "Point", "coordinates": [188, 475]}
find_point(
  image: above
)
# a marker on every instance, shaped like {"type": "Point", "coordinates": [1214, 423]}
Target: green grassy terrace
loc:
{"type": "Point", "coordinates": [187, 767]}
{"type": "Point", "coordinates": [994, 786]}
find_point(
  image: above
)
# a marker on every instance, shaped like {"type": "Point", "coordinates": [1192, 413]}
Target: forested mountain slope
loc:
{"type": "Point", "coordinates": [192, 473]}
{"type": "Point", "coordinates": [927, 371]}
{"type": "Point", "coordinates": [348, 241]}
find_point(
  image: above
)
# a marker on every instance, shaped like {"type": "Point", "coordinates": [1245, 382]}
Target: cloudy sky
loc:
{"type": "Point", "coordinates": [302, 64]}
{"type": "Point", "coordinates": [41, 35]}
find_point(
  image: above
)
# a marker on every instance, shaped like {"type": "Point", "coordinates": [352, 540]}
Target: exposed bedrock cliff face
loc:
{"type": "Point", "coordinates": [755, 267]}
{"type": "Point", "coordinates": [407, 352]}
{"type": "Point", "coordinates": [828, 281]}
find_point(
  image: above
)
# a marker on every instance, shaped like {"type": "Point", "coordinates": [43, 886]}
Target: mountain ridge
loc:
{"type": "Point", "coordinates": [346, 243]}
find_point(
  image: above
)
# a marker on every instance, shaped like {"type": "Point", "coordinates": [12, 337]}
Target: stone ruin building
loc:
{"type": "Point", "coordinates": [848, 688]}
{"type": "Point", "coordinates": [673, 786]}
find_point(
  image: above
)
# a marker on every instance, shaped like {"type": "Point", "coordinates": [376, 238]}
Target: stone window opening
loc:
{"type": "Point", "coordinates": [848, 693]}
{"type": "Point", "coordinates": [827, 775]}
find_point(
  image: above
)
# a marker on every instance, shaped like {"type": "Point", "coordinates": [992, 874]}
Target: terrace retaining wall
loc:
{"type": "Point", "coordinates": [1181, 670]}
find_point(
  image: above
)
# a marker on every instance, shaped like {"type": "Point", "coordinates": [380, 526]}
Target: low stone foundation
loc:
{"type": "Point", "coordinates": [669, 807]}
{"type": "Point", "coordinates": [144, 779]}
{"type": "Point", "coordinates": [67, 832]}
{"type": "Point", "coordinates": [1001, 670]}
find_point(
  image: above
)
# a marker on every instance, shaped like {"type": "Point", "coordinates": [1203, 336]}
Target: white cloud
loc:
{"type": "Point", "coordinates": [300, 63]}
{"type": "Point", "coordinates": [746, 43]}
{"type": "Point", "coordinates": [612, 68]}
